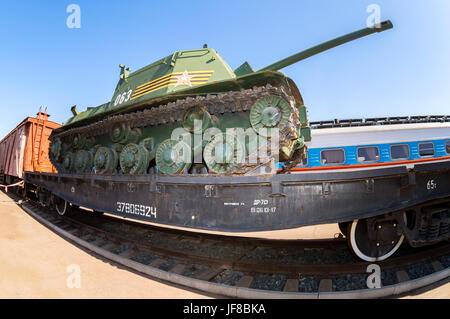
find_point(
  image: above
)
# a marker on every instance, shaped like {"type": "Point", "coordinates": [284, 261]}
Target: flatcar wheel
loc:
{"type": "Point", "coordinates": [60, 205]}
{"type": "Point", "coordinates": [374, 240]}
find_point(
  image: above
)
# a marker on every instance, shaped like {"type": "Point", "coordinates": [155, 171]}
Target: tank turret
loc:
{"type": "Point", "coordinates": [227, 122]}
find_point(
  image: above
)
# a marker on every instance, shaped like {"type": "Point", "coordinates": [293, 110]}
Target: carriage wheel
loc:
{"type": "Point", "coordinates": [374, 239]}
{"type": "Point", "coordinates": [60, 205]}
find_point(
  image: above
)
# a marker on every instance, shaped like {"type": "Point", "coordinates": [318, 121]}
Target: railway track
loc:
{"type": "Point", "coordinates": [245, 267]}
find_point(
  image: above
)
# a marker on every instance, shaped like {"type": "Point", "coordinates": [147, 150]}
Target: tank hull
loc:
{"type": "Point", "coordinates": [128, 143]}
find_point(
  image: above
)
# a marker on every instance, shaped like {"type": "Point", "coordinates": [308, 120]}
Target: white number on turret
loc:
{"type": "Point", "coordinates": [124, 97]}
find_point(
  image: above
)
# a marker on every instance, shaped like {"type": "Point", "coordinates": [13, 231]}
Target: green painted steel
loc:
{"type": "Point", "coordinates": [182, 73]}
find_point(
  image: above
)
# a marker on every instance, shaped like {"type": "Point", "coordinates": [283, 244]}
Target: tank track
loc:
{"type": "Point", "coordinates": [172, 112]}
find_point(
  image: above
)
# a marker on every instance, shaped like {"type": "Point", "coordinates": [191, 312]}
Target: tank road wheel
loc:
{"type": "Point", "coordinates": [60, 205]}
{"type": "Point", "coordinates": [374, 239]}
{"type": "Point", "coordinates": [134, 159]}
{"type": "Point", "coordinates": [83, 161]}
{"type": "Point", "coordinates": [223, 152]}
{"type": "Point", "coordinates": [196, 113]}
{"type": "Point", "coordinates": [173, 157]}
{"type": "Point", "coordinates": [67, 163]}
{"type": "Point", "coordinates": [269, 112]}
{"type": "Point", "coordinates": [105, 160]}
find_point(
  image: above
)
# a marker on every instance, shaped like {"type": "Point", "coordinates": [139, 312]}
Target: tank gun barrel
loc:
{"type": "Point", "coordinates": [385, 25]}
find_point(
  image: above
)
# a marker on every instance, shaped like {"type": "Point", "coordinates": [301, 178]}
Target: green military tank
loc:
{"type": "Point", "coordinates": [223, 119]}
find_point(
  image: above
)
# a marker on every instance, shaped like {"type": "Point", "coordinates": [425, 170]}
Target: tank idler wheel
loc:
{"type": "Point", "coordinates": [134, 159]}
{"type": "Point", "coordinates": [105, 160]}
{"type": "Point", "coordinates": [374, 239]}
{"type": "Point", "coordinates": [61, 205]}
{"type": "Point", "coordinates": [173, 157]}
{"type": "Point", "coordinates": [269, 112]}
{"type": "Point", "coordinates": [223, 152]}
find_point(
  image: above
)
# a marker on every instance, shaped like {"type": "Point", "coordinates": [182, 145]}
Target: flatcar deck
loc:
{"type": "Point", "coordinates": [253, 203]}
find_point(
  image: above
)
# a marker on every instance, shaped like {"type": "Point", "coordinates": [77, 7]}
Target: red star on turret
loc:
{"type": "Point", "coordinates": [184, 78]}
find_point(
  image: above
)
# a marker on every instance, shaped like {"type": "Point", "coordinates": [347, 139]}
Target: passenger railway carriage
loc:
{"type": "Point", "coordinates": [382, 145]}
{"type": "Point", "coordinates": [352, 145]}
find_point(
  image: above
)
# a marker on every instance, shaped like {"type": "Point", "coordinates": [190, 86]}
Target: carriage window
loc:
{"type": "Point", "coordinates": [426, 149]}
{"type": "Point", "coordinates": [368, 154]}
{"type": "Point", "coordinates": [447, 147]}
{"type": "Point", "coordinates": [332, 157]}
{"type": "Point", "coordinates": [400, 152]}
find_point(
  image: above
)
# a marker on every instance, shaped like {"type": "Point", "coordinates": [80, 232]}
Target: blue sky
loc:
{"type": "Point", "coordinates": [404, 71]}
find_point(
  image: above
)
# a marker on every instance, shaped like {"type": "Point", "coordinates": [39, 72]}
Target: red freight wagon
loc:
{"type": "Point", "coordinates": [25, 148]}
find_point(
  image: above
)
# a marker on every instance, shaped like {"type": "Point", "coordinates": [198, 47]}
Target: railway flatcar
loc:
{"type": "Point", "coordinates": [25, 148]}
{"type": "Point", "coordinates": [381, 180]}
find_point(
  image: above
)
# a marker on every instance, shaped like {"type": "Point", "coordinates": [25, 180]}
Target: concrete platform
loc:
{"type": "Point", "coordinates": [309, 232]}
{"type": "Point", "coordinates": [34, 263]}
